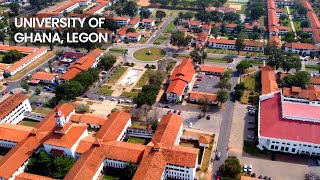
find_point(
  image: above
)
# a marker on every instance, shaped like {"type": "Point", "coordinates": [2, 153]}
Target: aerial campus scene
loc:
{"type": "Point", "coordinates": [173, 89]}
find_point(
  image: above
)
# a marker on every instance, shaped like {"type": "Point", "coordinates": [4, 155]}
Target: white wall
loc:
{"type": "Point", "coordinates": [16, 116]}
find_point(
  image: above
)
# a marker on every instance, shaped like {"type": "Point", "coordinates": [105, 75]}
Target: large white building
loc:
{"type": "Point", "coordinates": [301, 48]}
{"type": "Point", "coordinates": [13, 108]}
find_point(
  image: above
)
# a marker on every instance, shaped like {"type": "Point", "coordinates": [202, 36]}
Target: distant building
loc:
{"type": "Point", "coordinates": [301, 48]}
{"type": "Point", "coordinates": [43, 77]}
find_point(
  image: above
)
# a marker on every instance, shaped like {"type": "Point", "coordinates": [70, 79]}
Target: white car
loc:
{"type": "Point", "coordinates": [245, 168]}
{"type": "Point", "coordinates": [121, 100]}
{"type": "Point", "coordinates": [128, 101]}
{"type": "Point", "coordinates": [190, 125]}
{"type": "Point", "coordinates": [250, 168]}
{"type": "Point", "coordinates": [113, 99]}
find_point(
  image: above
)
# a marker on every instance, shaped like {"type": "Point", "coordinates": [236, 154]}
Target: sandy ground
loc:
{"type": "Point", "coordinates": [143, 3]}
{"type": "Point", "coordinates": [56, 5]}
{"type": "Point", "coordinates": [102, 108]}
{"type": "Point", "coordinates": [236, 6]}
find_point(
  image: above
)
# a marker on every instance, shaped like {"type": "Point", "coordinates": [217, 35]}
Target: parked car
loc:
{"type": "Point", "coordinates": [218, 156]}
{"type": "Point", "coordinates": [196, 86]}
{"type": "Point", "coordinates": [190, 125]}
{"type": "Point", "coordinates": [218, 178]}
{"type": "Point", "coordinates": [252, 112]}
{"type": "Point", "coordinates": [113, 99]}
{"type": "Point", "coordinates": [5, 92]}
{"type": "Point", "coordinates": [6, 83]}
{"type": "Point", "coordinates": [208, 117]}
{"type": "Point", "coordinates": [265, 177]}
{"type": "Point", "coordinates": [260, 177]}
{"type": "Point", "coordinates": [251, 128]}
{"type": "Point", "coordinates": [128, 101]}
{"type": "Point", "coordinates": [167, 106]}
{"type": "Point", "coordinates": [174, 111]}
{"type": "Point", "coordinates": [253, 175]}
{"type": "Point", "coordinates": [179, 113]}
{"type": "Point", "coordinates": [250, 137]}
{"type": "Point", "coordinates": [245, 168]}
{"type": "Point", "coordinates": [121, 100]}
{"type": "Point", "coordinates": [199, 79]}
{"type": "Point", "coordinates": [250, 168]}
{"type": "Point", "coordinates": [251, 108]}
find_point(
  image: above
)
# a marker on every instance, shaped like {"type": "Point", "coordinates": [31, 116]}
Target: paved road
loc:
{"type": "Point", "coordinates": [159, 31]}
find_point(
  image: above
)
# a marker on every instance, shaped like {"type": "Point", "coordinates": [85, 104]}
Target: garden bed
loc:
{"type": "Point", "coordinates": [116, 75]}
{"type": "Point", "coordinates": [149, 54]}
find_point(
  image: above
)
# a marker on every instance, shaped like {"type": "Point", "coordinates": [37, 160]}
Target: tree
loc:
{"type": "Point", "coordinates": [305, 23]}
{"type": "Point", "coordinates": [203, 16]}
{"type": "Point", "coordinates": [231, 17]}
{"type": "Point", "coordinates": [110, 24]}
{"type": "Point", "coordinates": [215, 31]}
{"type": "Point", "coordinates": [160, 15]}
{"type": "Point", "coordinates": [243, 65]}
{"type": "Point", "coordinates": [178, 38]}
{"type": "Point", "coordinates": [14, 7]}
{"type": "Point", "coordinates": [2, 37]}
{"type": "Point", "coordinates": [216, 16]}
{"type": "Point", "coordinates": [155, 124]}
{"type": "Point", "coordinates": [12, 56]}
{"type": "Point", "coordinates": [37, 91]}
{"type": "Point", "coordinates": [68, 90]}
{"type": "Point", "coordinates": [222, 96]}
{"type": "Point", "coordinates": [275, 58]}
{"type": "Point", "coordinates": [224, 83]}
{"type": "Point", "coordinates": [204, 105]}
{"type": "Point", "coordinates": [25, 85]}
{"type": "Point", "coordinates": [311, 176]}
{"type": "Point", "coordinates": [238, 94]}
{"type": "Point", "coordinates": [198, 55]}
{"type": "Point", "coordinates": [188, 15]}
{"type": "Point", "coordinates": [144, 13]}
{"type": "Point", "coordinates": [254, 36]}
{"type": "Point", "coordinates": [240, 45]}
{"type": "Point", "coordinates": [82, 108]}
{"type": "Point", "coordinates": [299, 79]}
{"type": "Point", "coordinates": [78, 11]}
{"type": "Point", "coordinates": [128, 170]}
{"type": "Point", "coordinates": [290, 62]}
{"type": "Point", "coordinates": [130, 9]}
{"type": "Point", "coordinates": [257, 12]}
{"type": "Point", "coordinates": [87, 78]}
{"type": "Point", "coordinates": [238, 90]}
{"type": "Point", "coordinates": [156, 78]}
{"type": "Point", "coordinates": [289, 37]}
{"type": "Point", "coordinates": [240, 86]}
{"type": "Point", "coordinates": [283, 17]}
{"type": "Point", "coordinates": [107, 61]}
{"type": "Point", "coordinates": [231, 167]}
{"type": "Point", "coordinates": [61, 166]}
{"type": "Point", "coordinates": [240, 28]}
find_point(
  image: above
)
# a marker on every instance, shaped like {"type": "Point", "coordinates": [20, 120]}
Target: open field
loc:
{"type": "Point", "coordinates": [117, 50]}
{"type": "Point", "coordinates": [149, 54]}
{"type": "Point", "coordinates": [129, 94]}
{"type": "Point", "coordinates": [233, 52]}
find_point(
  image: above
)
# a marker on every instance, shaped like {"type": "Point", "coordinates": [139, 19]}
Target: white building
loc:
{"type": "Point", "coordinates": [148, 23]}
{"type": "Point", "coordinates": [231, 44]}
{"type": "Point", "coordinates": [13, 108]}
{"type": "Point", "coordinates": [301, 48]}
{"type": "Point", "coordinates": [122, 21]}
{"type": "Point", "coordinates": [131, 36]}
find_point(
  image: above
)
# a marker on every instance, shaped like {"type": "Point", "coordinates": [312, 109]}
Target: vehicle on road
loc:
{"type": "Point", "coordinates": [253, 175]}
{"type": "Point", "coordinates": [252, 112]}
{"type": "Point", "coordinates": [199, 79]}
{"type": "Point", "coordinates": [196, 86]}
{"type": "Point", "coordinates": [260, 177]}
{"type": "Point", "coordinates": [251, 128]}
{"type": "Point", "coordinates": [167, 106]}
{"type": "Point", "coordinates": [190, 125]}
{"type": "Point", "coordinates": [6, 83]}
{"type": "Point", "coordinates": [208, 117]}
{"type": "Point", "coordinates": [5, 92]}
{"type": "Point", "coordinates": [245, 168]}
{"type": "Point", "coordinates": [218, 156]}
{"type": "Point", "coordinates": [174, 111]}
{"type": "Point", "coordinates": [121, 100]}
{"type": "Point", "coordinates": [179, 113]}
{"type": "Point", "coordinates": [113, 99]}
{"type": "Point", "coordinates": [128, 101]}
{"type": "Point", "coordinates": [250, 168]}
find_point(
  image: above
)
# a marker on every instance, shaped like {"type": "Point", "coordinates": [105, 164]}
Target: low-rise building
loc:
{"type": "Point", "coordinates": [133, 36]}
{"type": "Point", "coordinates": [197, 97]}
{"type": "Point", "coordinates": [44, 77]}
{"type": "Point", "coordinates": [301, 48]}
{"type": "Point", "coordinates": [231, 44]}
{"type": "Point", "coordinates": [121, 20]}
{"type": "Point", "coordinates": [147, 23]}
{"type": "Point", "coordinates": [212, 70]}
{"type": "Point", "coordinates": [134, 23]}
{"type": "Point", "coordinates": [194, 24]}
{"type": "Point", "coordinates": [13, 108]}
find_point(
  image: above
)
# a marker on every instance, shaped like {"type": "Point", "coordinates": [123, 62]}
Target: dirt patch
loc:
{"type": "Point", "coordinates": [143, 3]}
{"type": "Point", "coordinates": [236, 6]}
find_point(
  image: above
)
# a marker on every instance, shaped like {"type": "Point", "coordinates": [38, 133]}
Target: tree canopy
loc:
{"type": "Point", "coordinates": [144, 13]}
{"type": "Point", "coordinates": [231, 167]}
{"type": "Point", "coordinates": [299, 79]}
{"type": "Point", "coordinates": [107, 61]}
{"type": "Point", "coordinates": [198, 55]}
{"type": "Point", "coordinates": [222, 96]}
{"type": "Point", "coordinates": [12, 56]}
{"type": "Point", "coordinates": [68, 90]}
{"type": "Point", "coordinates": [243, 65]}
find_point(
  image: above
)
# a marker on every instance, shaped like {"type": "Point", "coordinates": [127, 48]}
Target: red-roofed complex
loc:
{"type": "Point", "coordinates": [268, 80]}
{"type": "Point", "coordinates": [44, 77]}
{"type": "Point", "coordinates": [197, 97]}
{"type": "Point", "coordinates": [90, 60]}
{"type": "Point", "coordinates": [301, 48]}
{"type": "Point", "coordinates": [180, 80]}
{"type": "Point", "coordinates": [212, 70]}
{"type": "Point", "coordinates": [314, 21]}
{"type": "Point", "coordinates": [13, 108]}
{"type": "Point", "coordinates": [230, 44]}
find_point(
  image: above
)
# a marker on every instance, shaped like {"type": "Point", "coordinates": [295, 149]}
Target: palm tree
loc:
{"type": "Point", "coordinates": [125, 53]}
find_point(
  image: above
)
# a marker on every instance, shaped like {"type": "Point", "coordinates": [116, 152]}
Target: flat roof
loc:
{"type": "Point", "coordinates": [300, 110]}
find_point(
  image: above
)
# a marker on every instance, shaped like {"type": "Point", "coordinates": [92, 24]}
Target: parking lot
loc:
{"type": "Point", "coordinates": [208, 84]}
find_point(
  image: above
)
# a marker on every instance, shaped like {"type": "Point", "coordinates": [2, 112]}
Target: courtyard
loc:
{"type": "Point", "coordinates": [208, 84]}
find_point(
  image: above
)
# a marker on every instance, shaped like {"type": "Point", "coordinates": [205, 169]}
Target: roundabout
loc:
{"type": "Point", "coordinates": [149, 54]}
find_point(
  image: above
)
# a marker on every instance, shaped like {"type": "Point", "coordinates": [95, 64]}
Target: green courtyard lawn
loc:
{"type": "Point", "coordinates": [253, 87]}
{"type": "Point", "coordinates": [169, 28]}
{"type": "Point", "coordinates": [233, 52]}
{"type": "Point", "coordinates": [297, 24]}
{"type": "Point", "coordinates": [1, 57]}
{"type": "Point", "coordinates": [161, 39]}
{"type": "Point", "coordinates": [129, 94]}
{"type": "Point", "coordinates": [117, 50]}
{"type": "Point", "coordinates": [27, 122]}
{"type": "Point", "coordinates": [137, 140]}
{"type": "Point", "coordinates": [149, 54]}
{"type": "Point", "coordinates": [116, 75]}
{"type": "Point", "coordinates": [144, 78]}
{"type": "Point", "coordinates": [105, 90]}
{"type": "Point", "coordinates": [255, 62]}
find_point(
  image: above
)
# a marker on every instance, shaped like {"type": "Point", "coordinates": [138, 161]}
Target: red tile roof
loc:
{"type": "Point", "coordinates": [184, 71]}
{"type": "Point", "coordinates": [65, 6]}
{"type": "Point", "coordinates": [120, 18]}
{"type": "Point", "coordinates": [101, 5]}
{"type": "Point", "coordinates": [222, 41]}
{"type": "Point", "coordinates": [132, 34]}
{"type": "Point", "coordinates": [29, 176]}
{"type": "Point", "coordinates": [203, 36]}
{"type": "Point", "coordinates": [122, 31]}
{"type": "Point", "coordinates": [204, 139]}
{"type": "Point", "coordinates": [315, 80]}
{"type": "Point", "coordinates": [168, 129]}
{"type": "Point", "coordinates": [134, 21]}
{"type": "Point", "coordinates": [114, 125]}
{"type": "Point", "coordinates": [85, 144]}
{"type": "Point", "coordinates": [4, 66]}
{"type": "Point", "coordinates": [268, 80]}
{"type": "Point", "coordinates": [22, 49]}
{"type": "Point", "coordinates": [88, 119]}
{"type": "Point", "coordinates": [44, 76]}
{"type": "Point", "coordinates": [148, 20]}
{"type": "Point", "coordinates": [70, 74]}
{"type": "Point", "coordinates": [300, 110]}
{"type": "Point", "coordinates": [273, 125]}
{"type": "Point", "coordinates": [176, 86]}
{"type": "Point", "coordinates": [9, 104]}
{"type": "Point", "coordinates": [276, 40]}
{"type": "Point", "coordinates": [312, 93]}
{"type": "Point", "coordinates": [210, 68]}
{"type": "Point", "coordinates": [194, 23]}
{"type": "Point", "coordinates": [124, 151]}
{"type": "Point", "coordinates": [14, 132]}
{"type": "Point", "coordinates": [201, 96]}
{"type": "Point", "coordinates": [297, 45]}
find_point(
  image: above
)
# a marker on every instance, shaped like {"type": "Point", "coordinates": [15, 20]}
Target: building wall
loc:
{"type": "Point", "coordinates": [114, 163]}
{"type": "Point", "coordinates": [180, 172]}
{"type": "Point", "coordinates": [173, 97]}
{"type": "Point", "coordinates": [7, 144]}
{"type": "Point", "coordinates": [16, 116]}
{"type": "Point", "coordinates": [124, 130]}
{"type": "Point", "coordinates": [233, 47]}
{"type": "Point", "coordinates": [299, 51]}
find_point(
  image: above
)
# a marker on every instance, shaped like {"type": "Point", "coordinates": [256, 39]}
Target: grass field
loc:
{"type": "Point", "coordinates": [161, 39]}
{"type": "Point", "coordinates": [313, 67]}
{"type": "Point", "coordinates": [252, 89]}
{"type": "Point", "coordinates": [219, 60]}
{"type": "Point", "coordinates": [116, 75]}
{"type": "Point", "coordinates": [139, 125]}
{"type": "Point", "coordinates": [233, 52]}
{"type": "Point", "coordinates": [129, 94]}
{"type": "Point", "coordinates": [169, 28]}
{"type": "Point", "coordinates": [297, 24]}
{"type": "Point", "coordinates": [117, 50]}
{"type": "Point", "coordinates": [144, 78]}
{"type": "Point", "coordinates": [137, 140]}
{"type": "Point", "coordinates": [155, 54]}
{"type": "Point", "coordinates": [105, 90]}
{"type": "Point", "coordinates": [1, 56]}
{"type": "Point", "coordinates": [27, 122]}
{"type": "Point", "coordinates": [110, 175]}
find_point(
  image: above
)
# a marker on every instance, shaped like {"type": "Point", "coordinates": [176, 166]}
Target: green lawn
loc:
{"type": "Point", "coordinates": [255, 62]}
{"type": "Point", "coordinates": [250, 148]}
{"type": "Point", "coordinates": [149, 54]}
{"type": "Point", "coordinates": [219, 60]}
{"type": "Point", "coordinates": [27, 122]}
{"type": "Point", "coordinates": [143, 40]}
{"type": "Point", "coordinates": [233, 52]}
{"type": "Point", "coordinates": [117, 50]}
{"type": "Point", "coordinates": [313, 67]}
{"type": "Point", "coordinates": [144, 78]}
{"type": "Point", "coordinates": [169, 28]}
{"type": "Point", "coordinates": [137, 140]}
{"type": "Point", "coordinates": [1, 56]}
{"type": "Point", "coordinates": [297, 24]}
{"type": "Point", "coordinates": [129, 94]}
{"type": "Point", "coordinates": [161, 39]}
{"type": "Point", "coordinates": [138, 125]}
{"type": "Point", "coordinates": [104, 91]}
{"type": "Point", "coordinates": [116, 75]}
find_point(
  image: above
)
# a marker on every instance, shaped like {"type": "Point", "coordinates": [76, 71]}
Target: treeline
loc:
{"type": "Point", "coordinates": [197, 4]}
{"type": "Point", "coordinates": [255, 9]}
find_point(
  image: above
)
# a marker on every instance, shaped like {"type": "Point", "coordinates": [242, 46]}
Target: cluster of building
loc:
{"type": "Point", "coordinates": [181, 79]}
{"type": "Point", "coordinates": [288, 119]}
{"type": "Point", "coordinates": [275, 29]}
{"type": "Point", "coordinates": [64, 133]}
{"type": "Point", "coordinates": [30, 55]}
{"type": "Point", "coordinates": [203, 39]}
